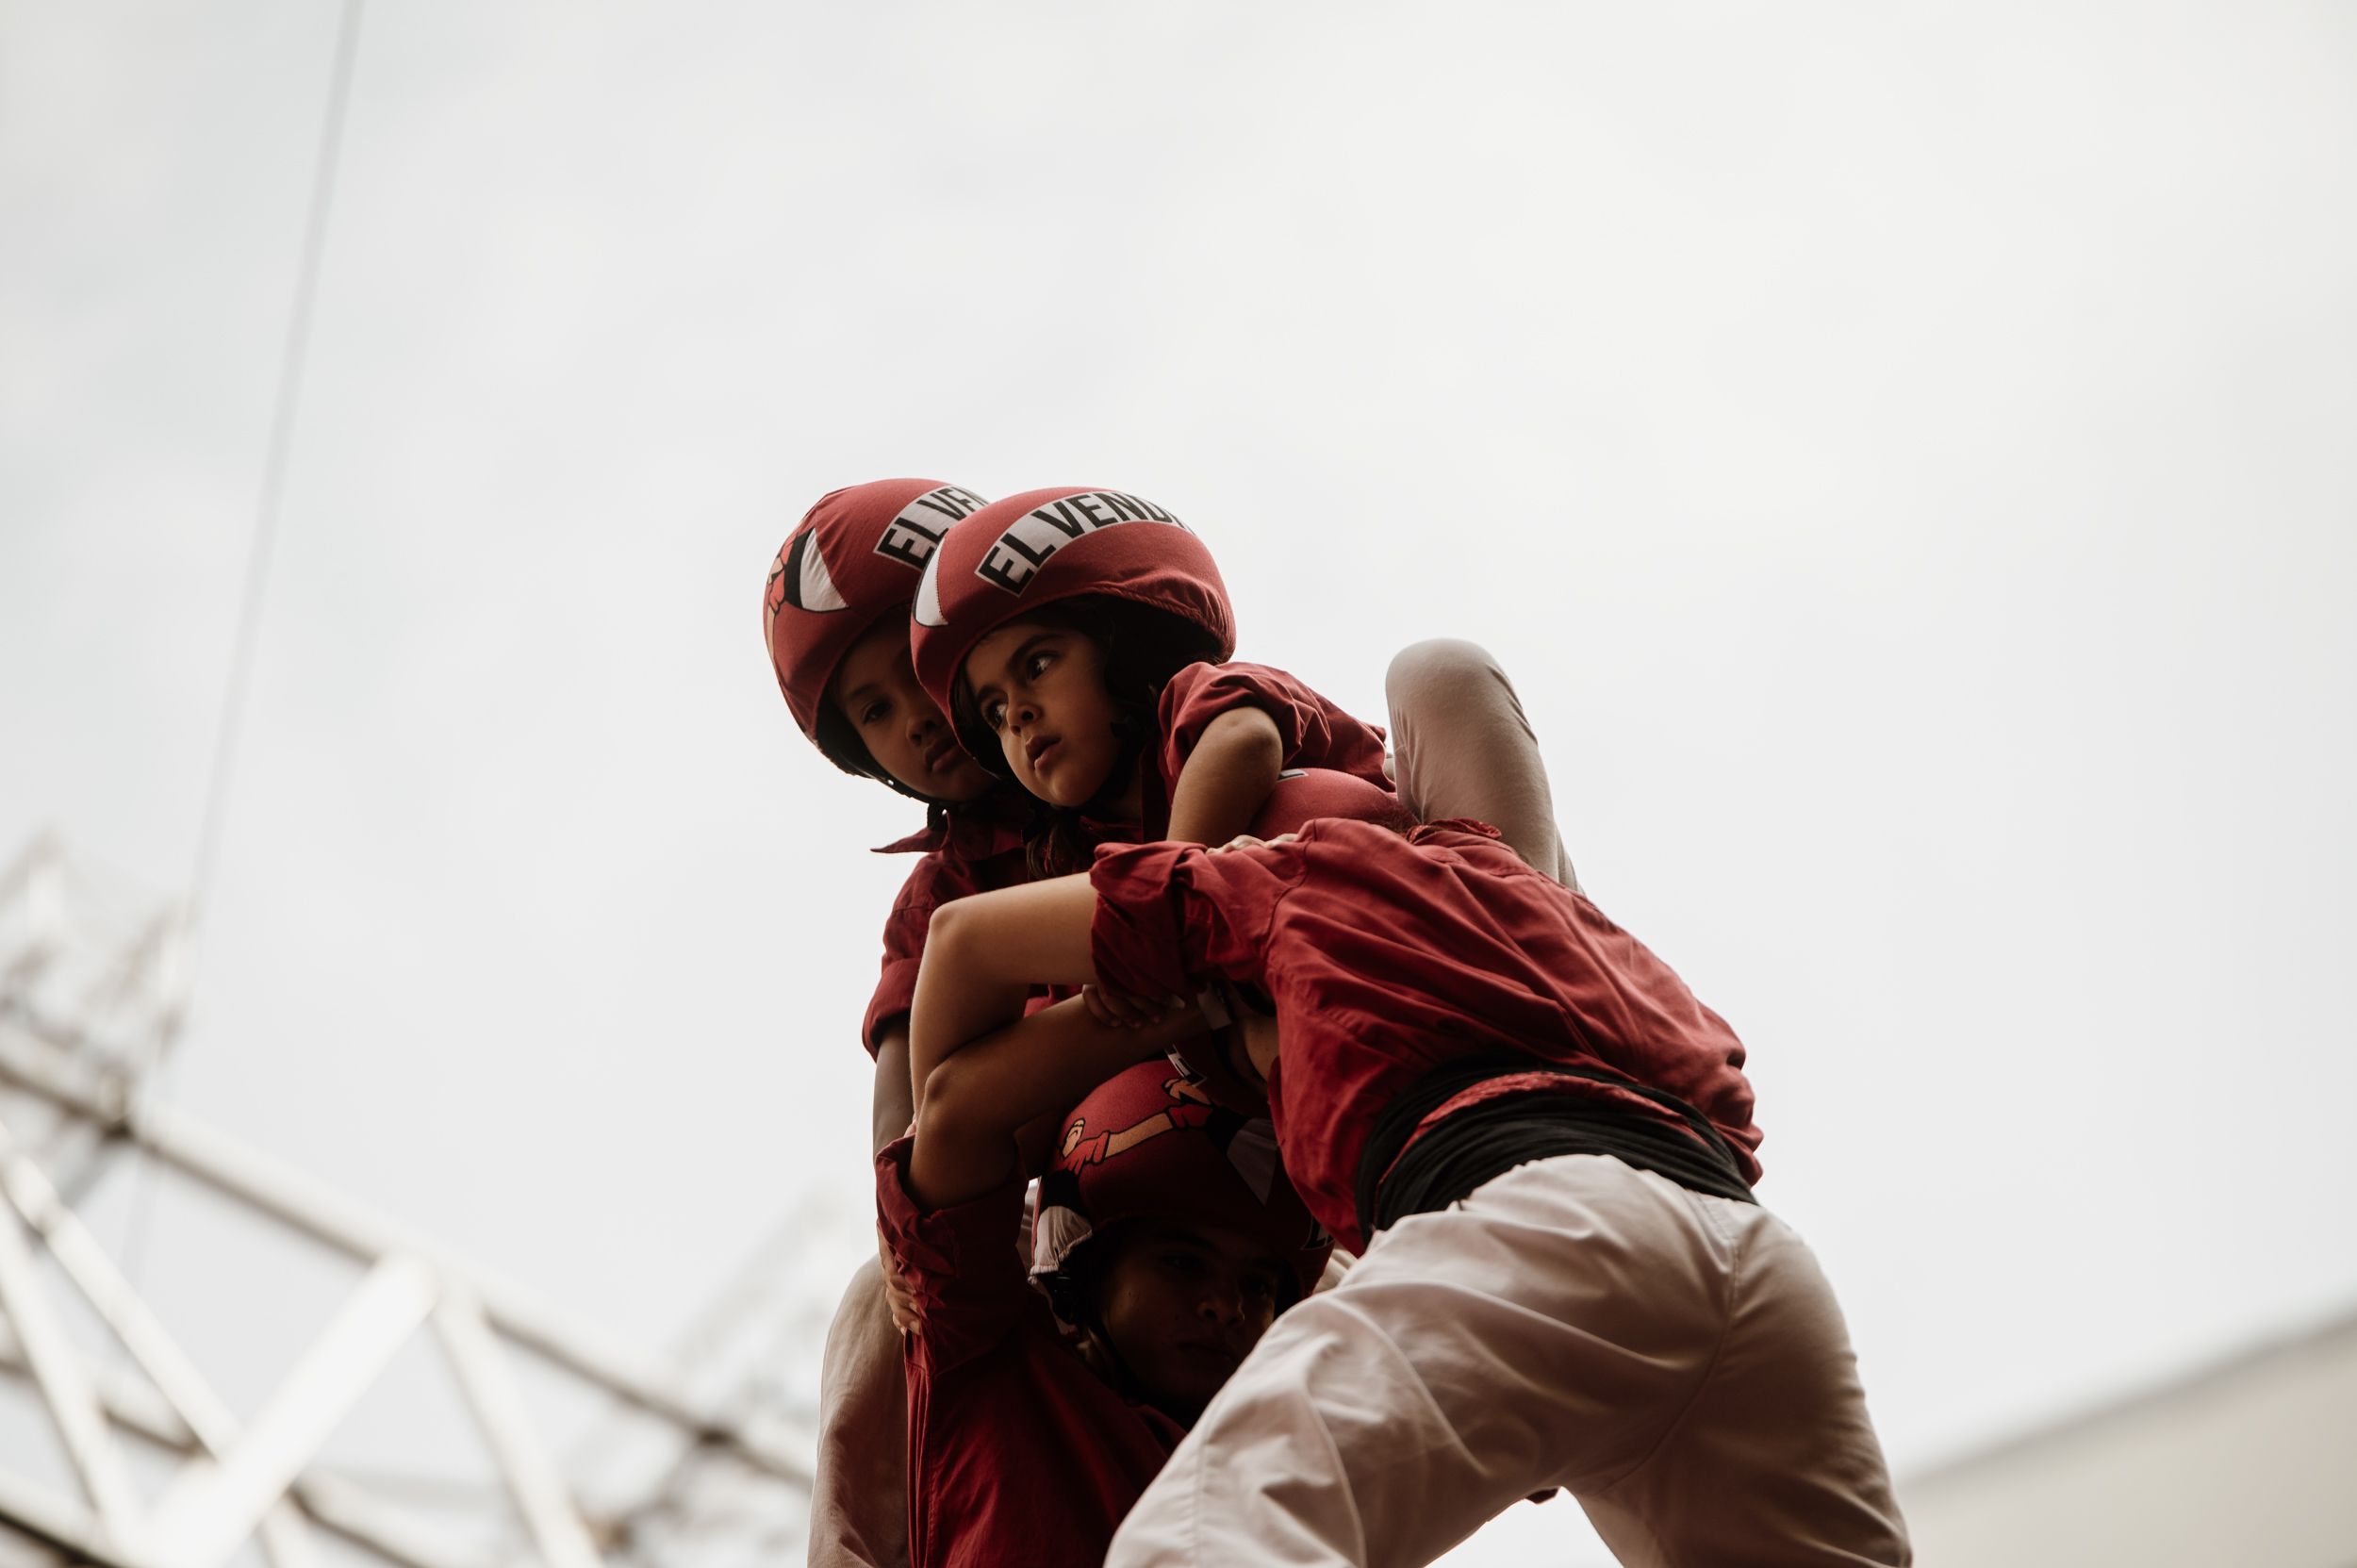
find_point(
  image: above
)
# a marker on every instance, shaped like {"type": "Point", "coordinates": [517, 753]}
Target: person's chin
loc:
{"type": "Point", "coordinates": [1052, 787]}
{"type": "Point", "coordinates": [1197, 1383]}
{"type": "Point", "coordinates": [969, 781]}
{"type": "Point", "coordinates": [1070, 789]}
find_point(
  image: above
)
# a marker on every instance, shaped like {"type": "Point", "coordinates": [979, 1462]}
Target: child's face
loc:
{"type": "Point", "coordinates": [1041, 688]}
{"type": "Point", "coordinates": [876, 691]}
{"type": "Point", "coordinates": [1183, 1304]}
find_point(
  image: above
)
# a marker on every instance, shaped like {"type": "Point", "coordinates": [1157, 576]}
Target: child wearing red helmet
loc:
{"type": "Point", "coordinates": [1541, 1144]}
{"type": "Point", "coordinates": [1080, 639]}
{"type": "Point", "coordinates": [1166, 1240]}
{"type": "Point", "coordinates": [834, 616]}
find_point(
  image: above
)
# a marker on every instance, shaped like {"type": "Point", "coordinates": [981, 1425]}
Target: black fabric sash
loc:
{"type": "Point", "coordinates": [1489, 1139]}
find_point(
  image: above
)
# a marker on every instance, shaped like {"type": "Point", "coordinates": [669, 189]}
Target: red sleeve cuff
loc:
{"type": "Point", "coordinates": [1135, 935]}
{"type": "Point", "coordinates": [959, 1264]}
{"type": "Point", "coordinates": [1202, 692]}
{"type": "Point", "coordinates": [895, 992]}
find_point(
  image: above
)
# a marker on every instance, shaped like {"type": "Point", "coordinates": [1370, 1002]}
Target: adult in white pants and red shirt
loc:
{"type": "Point", "coordinates": [1541, 1144]}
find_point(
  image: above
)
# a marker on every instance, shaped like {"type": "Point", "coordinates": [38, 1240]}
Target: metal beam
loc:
{"type": "Point", "coordinates": [210, 1508]}
{"type": "Point", "coordinates": [341, 1507]}
{"type": "Point", "coordinates": [541, 1494]}
{"type": "Point", "coordinates": [254, 1179]}
{"type": "Point", "coordinates": [65, 1389]}
{"type": "Point", "coordinates": [118, 1304]}
{"type": "Point", "coordinates": [65, 1524]}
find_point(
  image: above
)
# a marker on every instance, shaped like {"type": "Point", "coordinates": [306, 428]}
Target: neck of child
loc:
{"type": "Point", "coordinates": [1130, 805]}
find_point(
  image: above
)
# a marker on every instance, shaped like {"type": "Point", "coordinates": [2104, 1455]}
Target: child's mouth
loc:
{"type": "Point", "coordinates": [944, 757]}
{"type": "Point", "coordinates": [1041, 749]}
{"type": "Point", "coordinates": [1213, 1355]}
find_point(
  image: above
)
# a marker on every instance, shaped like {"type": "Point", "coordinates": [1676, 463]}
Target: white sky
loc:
{"type": "Point", "coordinates": [1905, 458]}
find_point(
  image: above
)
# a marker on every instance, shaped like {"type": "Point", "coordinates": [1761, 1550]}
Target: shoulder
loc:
{"type": "Point", "coordinates": [1202, 692]}
{"type": "Point", "coordinates": [1236, 678]}
{"type": "Point", "coordinates": [929, 881]}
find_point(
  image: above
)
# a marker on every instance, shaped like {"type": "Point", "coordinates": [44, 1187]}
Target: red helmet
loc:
{"type": "Point", "coordinates": [1016, 555]}
{"type": "Point", "coordinates": [1144, 1145]}
{"type": "Point", "coordinates": [855, 558]}
{"type": "Point", "coordinates": [1305, 794]}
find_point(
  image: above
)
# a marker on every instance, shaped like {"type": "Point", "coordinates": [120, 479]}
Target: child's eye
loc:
{"type": "Point", "coordinates": [875, 711]}
{"type": "Point", "coordinates": [995, 713]}
{"type": "Point", "coordinates": [1036, 666]}
{"type": "Point", "coordinates": [1185, 1264]}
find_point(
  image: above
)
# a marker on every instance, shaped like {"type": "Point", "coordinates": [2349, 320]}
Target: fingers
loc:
{"type": "Point", "coordinates": [1101, 1007]}
{"type": "Point", "coordinates": [899, 1300]}
{"type": "Point", "coordinates": [1246, 841]}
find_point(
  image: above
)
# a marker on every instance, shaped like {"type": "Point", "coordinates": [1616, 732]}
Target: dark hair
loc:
{"type": "Point", "coordinates": [1144, 647]}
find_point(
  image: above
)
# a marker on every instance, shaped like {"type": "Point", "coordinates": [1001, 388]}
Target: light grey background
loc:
{"type": "Point", "coordinates": [1905, 458]}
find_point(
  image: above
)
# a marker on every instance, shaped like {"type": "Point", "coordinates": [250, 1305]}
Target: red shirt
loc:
{"type": "Point", "coordinates": [1315, 732]}
{"type": "Point", "coordinates": [1387, 956]}
{"type": "Point", "coordinates": [980, 848]}
{"type": "Point", "coordinates": [1019, 1455]}
{"type": "Point", "coordinates": [983, 845]}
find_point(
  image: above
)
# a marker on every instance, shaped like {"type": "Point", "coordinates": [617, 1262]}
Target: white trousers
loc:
{"type": "Point", "coordinates": [859, 1500]}
{"type": "Point", "coordinates": [1675, 1361]}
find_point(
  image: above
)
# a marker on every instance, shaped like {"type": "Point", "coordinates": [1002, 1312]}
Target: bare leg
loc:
{"type": "Point", "coordinates": [859, 1507]}
{"type": "Point", "coordinates": [1462, 747]}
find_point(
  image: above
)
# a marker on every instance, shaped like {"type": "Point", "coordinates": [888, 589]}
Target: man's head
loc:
{"type": "Point", "coordinates": [1167, 1237]}
{"type": "Point", "coordinates": [1175, 1306]}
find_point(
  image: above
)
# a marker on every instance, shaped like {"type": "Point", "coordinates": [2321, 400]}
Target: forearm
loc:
{"type": "Point", "coordinates": [978, 1101]}
{"type": "Point", "coordinates": [1227, 779]}
{"type": "Point", "coordinates": [983, 956]}
{"type": "Point", "coordinates": [891, 1109]}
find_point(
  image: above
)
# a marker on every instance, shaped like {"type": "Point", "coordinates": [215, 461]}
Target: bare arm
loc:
{"type": "Point", "coordinates": [980, 1069]}
{"type": "Point", "coordinates": [890, 1111]}
{"type": "Point", "coordinates": [984, 953]}
{"type": "Point", "coordinates": [1226, 778]}
{"type": "Point", "coordinates": [978, 1100]}
{"type": "Point", "coordinates": [1226, 782]}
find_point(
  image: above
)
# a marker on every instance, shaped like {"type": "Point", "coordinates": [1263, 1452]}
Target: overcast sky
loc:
{"type": "Point", "coordinates": [1905, 457]}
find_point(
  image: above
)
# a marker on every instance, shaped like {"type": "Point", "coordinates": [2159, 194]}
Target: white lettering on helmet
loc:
{"type": "Point", "coordinates": [913, 535]}
{"type": "Point", "coordinates": [1018, 553]}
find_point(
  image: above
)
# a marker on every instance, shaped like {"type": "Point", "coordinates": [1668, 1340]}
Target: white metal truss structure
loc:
{"type": "Point", "coordinates": [84, 1014]}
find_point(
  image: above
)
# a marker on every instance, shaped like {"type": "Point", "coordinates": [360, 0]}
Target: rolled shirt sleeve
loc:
{"type": "Point", "coordinates": [904, 946]}
{"type": "Point", "coordinates": [959, 1263]}
{"type": "Point", "coordinates": [1171, 914]}
{"type": "Point", "coordinates": [1313, 731]}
